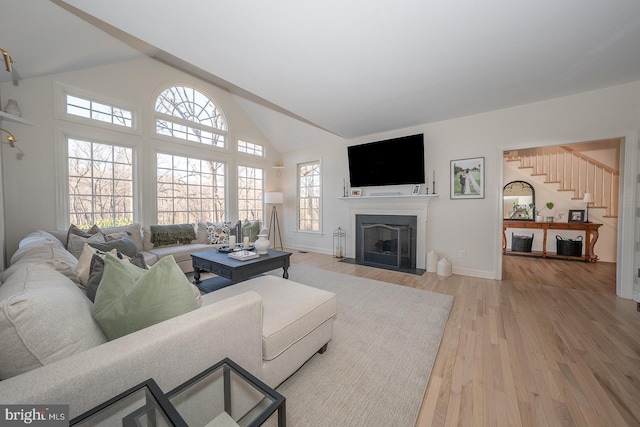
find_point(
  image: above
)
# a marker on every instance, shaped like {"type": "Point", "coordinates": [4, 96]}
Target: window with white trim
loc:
{"type": "Point", "coordinates": [309, 196]}
{"type": "Point", "coordinates": [100, 182]}
{"type": "Point", "coordinates": [250, 191]}
{"type": "Point", "coordinates": [188, 114]}
{"type": "Point", "coordinates": [99, 111]}
{"type": "Point", "coordinates": [189, 190]}
{"type": "Point", "coordinates": [250, 148]}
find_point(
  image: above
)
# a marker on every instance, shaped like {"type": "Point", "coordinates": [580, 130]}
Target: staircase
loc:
{"type": "Point", "coordinates": [573, 172]}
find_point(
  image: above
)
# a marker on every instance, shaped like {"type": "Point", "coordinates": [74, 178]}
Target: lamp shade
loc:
{"type": "Point", "coordinates": [588, 198]}
{"type": "Point", "coordinates": [274, 197]}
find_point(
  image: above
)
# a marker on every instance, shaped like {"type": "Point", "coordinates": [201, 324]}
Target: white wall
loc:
{"type": "Point", "coordinates": [474, 225]}
{"type": "Point", "coordinates": [30, 183]}
{"type": "Point", "coordinates": [453, 225]}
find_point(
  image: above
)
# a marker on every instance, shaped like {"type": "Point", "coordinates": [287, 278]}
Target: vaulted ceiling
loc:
{"type": "Point", "coordinates": [310, 72]}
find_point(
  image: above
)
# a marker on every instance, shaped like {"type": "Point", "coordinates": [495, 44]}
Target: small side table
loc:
{"type": "Point", "coordinates": [224, 395]}
{"type": "Point", "coordinates": [227, 395]}
{"type": "Point", "coordinates": [143, 404]}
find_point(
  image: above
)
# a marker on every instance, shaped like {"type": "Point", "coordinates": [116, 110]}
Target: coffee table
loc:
{"type": "Point", "coordinates": [230, 271]}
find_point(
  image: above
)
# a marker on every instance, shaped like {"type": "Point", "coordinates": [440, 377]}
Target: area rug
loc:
{"type": "Point", "coordinates": [377, 366]}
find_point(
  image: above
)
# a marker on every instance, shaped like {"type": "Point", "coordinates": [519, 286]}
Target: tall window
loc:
{"type": "Point", "coordinates": [250, 189]}
{"type": "Point", "coordinates": [100, 183]}
{"type": "Point", "coordinates": [189, 190]}
{"type": "Point", "coordinates": [309, 196]}
{"type": "Point", "coordinates": [184, 113]}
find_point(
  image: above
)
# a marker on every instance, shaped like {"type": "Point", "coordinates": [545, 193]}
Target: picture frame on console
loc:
{"type": "Point", "coordinates": [356, 192]}
{"type": "Point", "coordinates": [576, 215]}
{"type": "Point", "coordinates": [467, 178]}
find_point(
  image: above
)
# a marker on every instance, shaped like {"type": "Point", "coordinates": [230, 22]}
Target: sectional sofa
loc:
{"type": "Point", "coordinates": [52, 351]}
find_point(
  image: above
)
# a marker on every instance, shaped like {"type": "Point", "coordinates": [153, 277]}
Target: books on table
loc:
{"type": "Point", "coordinates": [243, 255]}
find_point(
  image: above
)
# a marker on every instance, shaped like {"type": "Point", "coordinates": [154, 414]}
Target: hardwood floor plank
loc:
{"type": "Point", "coordinates": [550, 344]}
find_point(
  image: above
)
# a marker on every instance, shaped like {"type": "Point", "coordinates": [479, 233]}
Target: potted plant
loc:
{"type": "Point", "coordinates": [536, 211]}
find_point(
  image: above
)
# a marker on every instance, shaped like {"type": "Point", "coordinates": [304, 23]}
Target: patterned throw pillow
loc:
{"type": "Point", "coordinates": [218, 233]}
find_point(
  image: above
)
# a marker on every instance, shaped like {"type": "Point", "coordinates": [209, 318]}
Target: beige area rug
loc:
{"type": "Point", "coordinates": [377, 367]}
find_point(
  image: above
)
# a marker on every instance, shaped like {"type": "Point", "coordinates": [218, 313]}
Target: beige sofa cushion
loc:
{"type": "Point", "coordinates": [47, 252]}
{"type": "Point", "coordinates": [44, 317]}
{"type": "Point", "coordinates": [181, 253]}
{"type": "Point", "coordinates": [38, 237]}
{"type": "Point", "coordinates": [291, 310]}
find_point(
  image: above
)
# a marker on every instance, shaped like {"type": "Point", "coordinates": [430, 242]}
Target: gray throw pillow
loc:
{"type": "Point", "coordinates": [97, 268]}
{"type": "Point", "coordinates": [126, 245]}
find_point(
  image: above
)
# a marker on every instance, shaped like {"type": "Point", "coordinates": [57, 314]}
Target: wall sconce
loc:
{"type": "Point", "coordinates": [7, 59]}
{"type": "Point", "coordinates": [278, 166]}
{"type": "Point", "coordinates": [10, 138]}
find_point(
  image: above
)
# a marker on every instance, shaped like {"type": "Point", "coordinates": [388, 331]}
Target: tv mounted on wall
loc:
{"type": "Point", "coordinates": [390, 162]}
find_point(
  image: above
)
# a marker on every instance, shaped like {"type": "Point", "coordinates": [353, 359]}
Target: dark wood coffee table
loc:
{"type": "Point", "coordinates": [230, 271]}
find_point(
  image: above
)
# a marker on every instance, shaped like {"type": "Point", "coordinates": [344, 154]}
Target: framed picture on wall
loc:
{"type": "Point", "coordinates": [467, 178]}
{"type": "Point", "coordinates": [415, 189]}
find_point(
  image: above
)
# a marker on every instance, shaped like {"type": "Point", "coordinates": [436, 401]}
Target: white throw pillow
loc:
{"type": "Point", "coordinates": [84, 262]}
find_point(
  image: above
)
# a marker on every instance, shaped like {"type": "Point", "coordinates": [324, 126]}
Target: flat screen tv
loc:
{"type": "Point", "coordinates": [390, 162]}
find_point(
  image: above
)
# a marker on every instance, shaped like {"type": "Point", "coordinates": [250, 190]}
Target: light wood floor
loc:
{"type": "Point", "coordinates": [549, 345]}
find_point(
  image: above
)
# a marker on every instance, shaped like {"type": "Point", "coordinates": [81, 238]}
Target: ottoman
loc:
{"type": "Point", "coordinates": [297, 322]}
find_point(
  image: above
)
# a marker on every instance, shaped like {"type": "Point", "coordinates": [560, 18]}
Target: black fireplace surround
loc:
{"type": "Point", "coordinates": [387, 241]}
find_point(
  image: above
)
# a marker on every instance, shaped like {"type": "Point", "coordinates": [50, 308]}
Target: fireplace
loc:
{"type": "Point", "coordinates": [387, 241]}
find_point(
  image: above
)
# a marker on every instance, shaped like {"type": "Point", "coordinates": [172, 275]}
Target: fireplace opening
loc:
{"type": "Point", "coordinates": [387, 241]}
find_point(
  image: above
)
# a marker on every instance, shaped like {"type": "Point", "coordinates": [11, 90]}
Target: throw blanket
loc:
{"type": "Point", "coordinates": [163, 235]}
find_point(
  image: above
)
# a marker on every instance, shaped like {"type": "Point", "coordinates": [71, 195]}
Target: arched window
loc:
{"type": "Point", "coordinates": [185, 113]}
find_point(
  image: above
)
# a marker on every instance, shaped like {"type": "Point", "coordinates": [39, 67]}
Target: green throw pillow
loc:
{"type": "Point", "coordinates": [250, 230]}
{"type": "Point", "coordinates": [130, 298]}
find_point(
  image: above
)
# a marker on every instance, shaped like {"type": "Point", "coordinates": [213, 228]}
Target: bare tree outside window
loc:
{"type": "Point", "coordinates": [100, 178]}
{"type": "Point", "coordinates": [185, 113]}
{"type": "Point", "coordinates": [309, 196]}
{"type": "Point", "coordinates": [189, 190]}
{"type": "Point", "coordinates": [250, 191]}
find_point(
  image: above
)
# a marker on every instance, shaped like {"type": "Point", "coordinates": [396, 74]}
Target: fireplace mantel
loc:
{"type": "Point", "coordinates": [395, 199]}
{"type": "Point", "coordinates": [391, 204]}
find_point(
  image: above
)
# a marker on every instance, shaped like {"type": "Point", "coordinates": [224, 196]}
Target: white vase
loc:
{"type": "Point", "coordinates": [262, 244]}
{"type": "Point", "coordinates": [12, 108]}
{"type": "Point", "coordinates": [444, 267]}
{"type": "Point", "coordinates": [432, 261]}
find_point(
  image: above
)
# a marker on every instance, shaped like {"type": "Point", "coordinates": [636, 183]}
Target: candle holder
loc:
{"type": "Point", "coordinates": [433, 188]}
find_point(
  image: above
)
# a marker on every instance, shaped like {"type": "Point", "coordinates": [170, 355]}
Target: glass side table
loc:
{"type": "Point", "coordinates": [141, 405]}
{"type": "Point", "coordinates": [226, 395]}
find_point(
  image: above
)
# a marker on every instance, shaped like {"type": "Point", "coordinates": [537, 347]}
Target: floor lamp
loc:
{"type": "Point", "coordinates": [274, 198]}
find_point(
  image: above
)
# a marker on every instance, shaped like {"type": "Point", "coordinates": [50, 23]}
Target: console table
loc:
{"type": "Point", "coordinates": [590, 229]}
